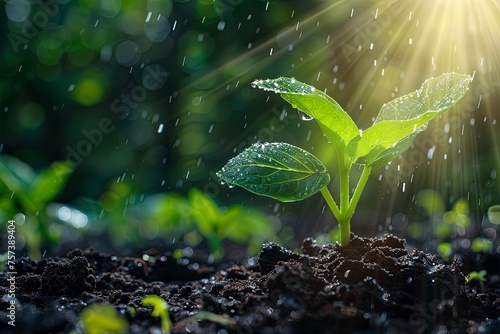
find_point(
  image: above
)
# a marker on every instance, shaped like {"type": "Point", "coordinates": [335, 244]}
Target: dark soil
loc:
{"type": "Point", "coordinates": [371, 286]}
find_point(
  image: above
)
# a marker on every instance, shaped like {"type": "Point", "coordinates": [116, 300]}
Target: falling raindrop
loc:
{"type": "Point", "coordinates": [446, 128]}
{"type": "Point", "coordinates": [430, 152]}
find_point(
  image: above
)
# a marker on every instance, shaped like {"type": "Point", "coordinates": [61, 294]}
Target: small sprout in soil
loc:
{"type": "Point", "coordinates": [100, 318]}
{"type": "Point", "coordinates": [234, 222]}
{"type": "Point", "coordinates": [477, 276]}
{"type": "Point", "coordinates": [444, 249]}
{"type": "Point", "coordinates": [481, 245]}
{"type": "Point", "coordinates": [289, 173]}
{"type": "Point", "coordinates": [209, 316]}
{"type": "Point", "coordinates": [160, 309]}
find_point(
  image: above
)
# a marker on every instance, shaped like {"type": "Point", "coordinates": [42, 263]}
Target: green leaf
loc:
{"type": "Point", "coordinates": [278, 170]}
{"type": "Point", "coordinates": [171, 211]}
{"type": "Point", "coordinates": [396, 150]}
{"type": "Point", "coordinates": [401, 119]}
{"type": "Point", "coordinates": [15, 174]}
{"type": "Point", "coordinates": [205, 212]}
{"type": "Point", "coordinates": [49, 183]}
{"type": "Point", "coordinates": [244, 225]}
{"type": "Point", "coordinates": [335, 123]}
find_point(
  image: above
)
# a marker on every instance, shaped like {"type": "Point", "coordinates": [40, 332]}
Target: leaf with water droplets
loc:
{"type": "Point", "coordinates": [400, 120]}
{"type": "Point", "coordinates": [278, 170]}
{"type": "Point", "coordinates": [335, 123]}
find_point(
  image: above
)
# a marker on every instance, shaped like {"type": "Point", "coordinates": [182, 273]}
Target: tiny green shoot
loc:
{"type": "Point", "coordinates": [479, 276]}
{"type": "Point", "coordinates": [481, 245]}
{"type": "Point", "coordinates": [209, 316]}
{"type": "Point", "coordinates": [444, 249]}
{"type": "Point", "coordinates": [100, 318]}
{"type": "Point", "coordinates": [160, 309]}
{"type": "Point", "coordinates": [234, 222]}
{"type": "Point", "coordinates": [288, 173]}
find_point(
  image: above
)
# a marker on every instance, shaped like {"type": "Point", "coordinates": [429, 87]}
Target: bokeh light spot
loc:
{"type": "Point", "coordinates": [90, 89]}
{"type": "Point", "coordinates": [157, 29]}
{"type": "Point", "coordinates": [93, 39]}
{"type": "Point", "coordinates": [49, 52]}
{"type": "Point", "coordinates": [110, 8]}
{"type": "Point", "coordinates": [17, 11]}
{"type": "Point", "coordinates": [127, 53]}
{"type": "Point", "coordinates": [31, 115]}
{"type": "Point", "coordinates": [132, 22]}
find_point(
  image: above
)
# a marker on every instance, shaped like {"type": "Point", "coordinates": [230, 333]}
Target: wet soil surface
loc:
{"type": "Point", "coordinates": [370, 286]}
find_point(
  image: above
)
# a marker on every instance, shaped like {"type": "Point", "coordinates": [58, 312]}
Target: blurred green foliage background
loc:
{"type": "Point", "coordinates": [153, 97]}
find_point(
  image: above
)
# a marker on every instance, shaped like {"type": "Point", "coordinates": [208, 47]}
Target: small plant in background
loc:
{"type": "Point", "coordinates": [446, 225]}
{"type": "Point", "coordinates": [234, 223]}
{"type": "Point", "coordinates": [160, 310]}
{"type": "Point", "coordinates": [191, 219]}
{"type": "Point", "coordinates": [100, 318]}
{"type": "Point", "coordinates": [481, 245]}
{"type": "Point", "coordinates": [444, 250]}
{"type": "Point", "coordinates": [289, 173]}
{"type": "Point", "coordinates": [26, 195]}
{"type": "Point", "coordinates": [479, 276]}
{"type": "Point", "coordinates": [439, 222]}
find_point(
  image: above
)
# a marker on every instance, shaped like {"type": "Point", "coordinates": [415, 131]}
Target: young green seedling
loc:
{"type": "Point", "coordinates": [288, 173]}
{"type": "Point", "coordinates": [100, 318]}
{"type": "Point", "coordinates": [479, 276]}
{"type": "Point", "coordinates": [160, 309]}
